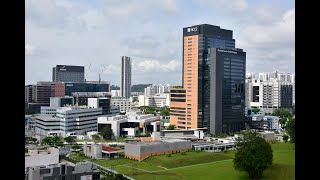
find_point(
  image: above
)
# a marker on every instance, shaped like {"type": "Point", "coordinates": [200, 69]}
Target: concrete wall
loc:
{"type": "Point", "coordinates": [93, 150]}
{"type": "Point", "coordinates": [139, 152]}
{"type": "Point", "coordinates": [43, 159]}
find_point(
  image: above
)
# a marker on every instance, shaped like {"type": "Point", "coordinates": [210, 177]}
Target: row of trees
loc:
{"type": "Point", "coordinates": [164, 111]}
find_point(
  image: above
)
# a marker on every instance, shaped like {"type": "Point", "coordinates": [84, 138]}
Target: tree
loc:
{"type": "Point", "coordinates": [95, 137]}
{"type": "Point", "coordinates": [165, 111]}
{"type": "Point", "coordinates": [106, 133]}
{"type": "Point", "coordinates": [255, 110]}
{"type": "Point", "coordinates": [171, 127]}
{"type": "Point", "coordinates": [254, 154]}
{"type": "Point", "coordinates": [282, 112]}
{"type": "Point", "coordinates": [48, 140]}
{"type": "Point", "coordinates": [285, 138]}
{"type": "Point", "coordinates": [283, 121]}
{"type": "Point", "coordinates": [291, 129]}
{"type": "Point", "coordinates": [70, 139]}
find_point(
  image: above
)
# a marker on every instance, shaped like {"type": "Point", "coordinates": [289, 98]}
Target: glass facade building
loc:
{"type": "Point", "coordinates": [85, 87]}
{"type": "Point", "coordinates": [207, 74]}
{"type": "Point", "coordinates": [65, 73]}
{"type": "Point", "coordinates": [226, 94]}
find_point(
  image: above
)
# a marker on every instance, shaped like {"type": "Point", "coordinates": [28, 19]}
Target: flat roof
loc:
{"type": "Point", "coordinates": [162, 141]}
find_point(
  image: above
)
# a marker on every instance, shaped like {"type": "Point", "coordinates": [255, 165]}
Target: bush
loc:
{"type": "Point", "coordinates": [183, 153]}
{"type": "Point", "coordinates": [168, 155]}
{"type": "Point", "coordinates": [225, 151]}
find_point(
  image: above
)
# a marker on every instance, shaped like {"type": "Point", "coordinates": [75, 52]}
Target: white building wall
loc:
{"type": "Point", "coordinates": [48, 110]}
{"type": "Point", "coordinates": [93, 102]}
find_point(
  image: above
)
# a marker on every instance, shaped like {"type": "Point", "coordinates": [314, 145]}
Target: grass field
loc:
{"type": "Point", "coordinates": [203, 165]}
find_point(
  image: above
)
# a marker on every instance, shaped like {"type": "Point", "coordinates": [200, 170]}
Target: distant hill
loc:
{"type": "Point", "coordinates": [139, 87]}
{"type": "Point", "coordinates": [113, 87]}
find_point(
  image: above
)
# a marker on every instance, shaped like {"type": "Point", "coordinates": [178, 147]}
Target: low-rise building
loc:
{"type": "Point", "coordinates": [79, 171]}
{"type": "Point", "coordinates": [41, 157]}
{"type": "Point", "coordinates": [100, 151]}
{"type": "Point", "coordinates": [141, 150]}
{"type": "Point", "coordinates": [127, 125]}
{"type": "Point", "coordinates": [190, 134]}
{"type": "Point", "coordinates": [267, 135]}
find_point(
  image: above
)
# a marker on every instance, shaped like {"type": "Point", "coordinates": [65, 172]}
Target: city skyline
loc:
{"type": "Point", "coordinates": [80, 33]}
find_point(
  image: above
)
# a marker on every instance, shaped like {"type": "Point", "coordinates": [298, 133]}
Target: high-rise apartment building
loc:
{"type": "Point", "coordinates": [213, 81]}
{"type": "Point", "coordinates": [125, 87]}
{"type": "Point", "coordinates": [66, 73]}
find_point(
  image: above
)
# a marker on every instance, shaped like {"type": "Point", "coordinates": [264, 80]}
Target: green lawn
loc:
{"type": "Point", "coordinates": [191, 166]}
{"type": "Point", "coordinates": [190, 158]}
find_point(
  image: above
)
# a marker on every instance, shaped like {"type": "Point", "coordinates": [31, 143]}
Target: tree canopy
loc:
{"type": "Point", "coordinates": [171, 127]}
{"type": "Point", "coordinates": [291, 129]}
{"type": "Point", "coordinates": [106, 133]}
{"type": "Point", "coordinates": [70, 139]}
{"type": "Point", "coordinates": [282, 112]}
{"type": "Point", "coordinates": [255, 110]}
{"type": "Point", "coordinates": [254, 154]}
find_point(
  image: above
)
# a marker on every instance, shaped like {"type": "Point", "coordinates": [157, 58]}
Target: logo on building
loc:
{"type": "Point", "coordinates": [62, 68]}
{"type": "Point", "coordinates": [227, 51]}
{"type": "Point", "coordinates": [192, 29]}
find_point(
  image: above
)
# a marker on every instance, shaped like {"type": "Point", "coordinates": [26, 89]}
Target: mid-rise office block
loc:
{"type": "Point", "coordinates": [90, 86]}
{"type": "Point", "coordinates": [157, 100]}
{"type": "Point", "coordinates": [101, 102]}
{"type": "Point", "coordinates": [61, 101]}
{"type": "Point", "coordinates": [125, 86]}
{"type": "Point", "coordinates": [68, 119]}
{"type": "Point", "coordinates": [66, 73]}
{"type": "Point", "coordinates": [123, 103]}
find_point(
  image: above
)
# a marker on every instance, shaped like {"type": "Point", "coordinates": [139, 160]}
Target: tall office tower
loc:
{"type": "Point", "coordinates": [213, 81]}
{"type": "Point", "coordinates": [65, 73]}
{"type": "Point", "coordinates": [125, 87]}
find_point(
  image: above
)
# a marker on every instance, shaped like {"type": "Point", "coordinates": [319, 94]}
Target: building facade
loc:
{"type": "Point", "coordinates": [125, 79]}
{"type": "Point", "coordinates": [123, 103]}
{"type": "Point", "coordinates": [115, 93]}
{"type": "Point", "coordinates": [157, 100]}
{"type": "Point", "coordinates": [61, 101]}
{"type": "Point", "coordinates": [141, 150]}
{"type": "Point", "coordinates": [64, 171]}
{"type": "Point", "coordinates": [206, 72]}
{"type": "Point", "coordinates": [101, 102]}
{"type": "Point", "coordinates": [90, 86]}
{"type": "Point", "coordinates": [73, 119]}
{"type": "Point", "coordinates": [66, 73]}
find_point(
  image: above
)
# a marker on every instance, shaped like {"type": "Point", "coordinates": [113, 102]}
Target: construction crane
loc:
{"type": "Point", "coordinates": [102, 69]}
{"type": "Point", "coordinates": [87, 71]}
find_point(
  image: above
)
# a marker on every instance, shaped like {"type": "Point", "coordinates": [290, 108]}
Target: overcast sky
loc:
{"type": "Point", "coordinates": [97, 32]}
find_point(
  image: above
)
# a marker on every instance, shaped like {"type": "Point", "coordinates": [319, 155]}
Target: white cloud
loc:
{"type": "Point", "coordinates": [100, 32]}
{"type": "Point", "coordinates": [92, 19]}
{"type": "Point", "coordinates": [277, 34]}
{"type": "Point", "coordinates": [156, 66]}
{"type": "Point", "coordinates": [226, 6]}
